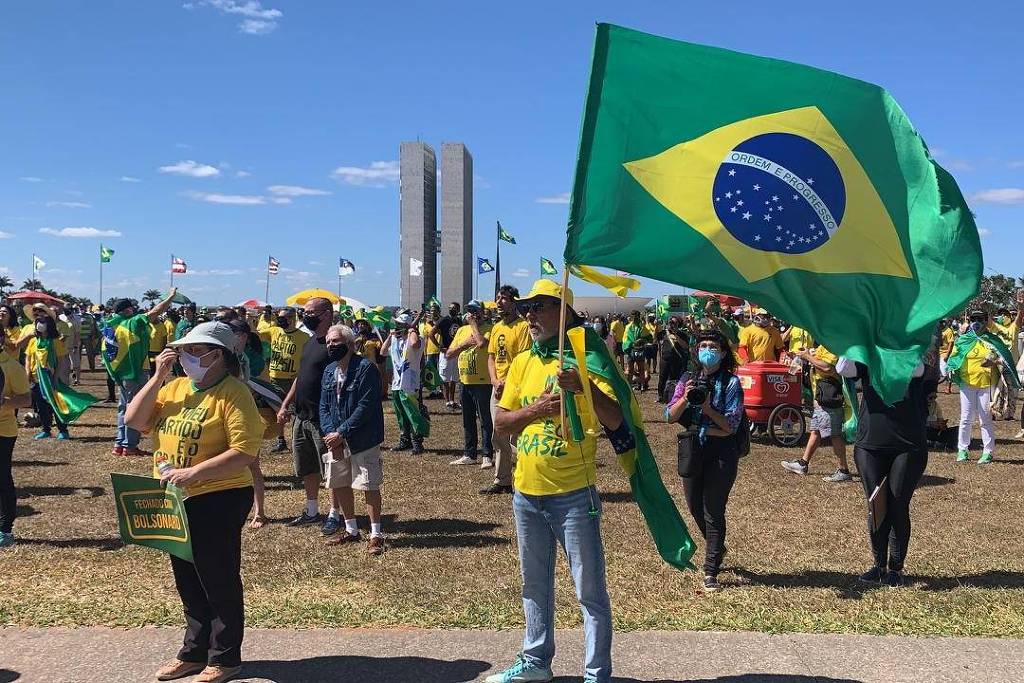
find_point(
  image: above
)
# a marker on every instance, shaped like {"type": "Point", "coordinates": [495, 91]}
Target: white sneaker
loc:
{"type": "Point", "coordinates": [464, 460]}
{"type": "Point", "coordinates": [487, 463]}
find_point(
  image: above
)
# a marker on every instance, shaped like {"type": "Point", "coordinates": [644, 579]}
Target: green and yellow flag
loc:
{"type": "Point", "coordinates": [770, 180]}
{"type": "Point", "coordinates": [105, 254]}
{"type": "Point", "coordinates": [67, 403]}
{"type": "Point", "coordinates": [547, 267]}
{"type": "Point", "coordinates": [504, 236]}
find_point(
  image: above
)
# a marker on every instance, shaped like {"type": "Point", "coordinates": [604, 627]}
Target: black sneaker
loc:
{"type": "Point", "coordinates": [495, 489]}
{"type": "Point", "coordinates": [417, 449]}
{"type": "Point", "coordinates": [304, 519]}
{"type": "Point", "coordinates": [895, 579]}
{"type": "Point", "coordinates": [711, 584]}
{"type": "Point", "coordinates": [402, 446]}
{"type": "Point", "coordinates": [873, 575]}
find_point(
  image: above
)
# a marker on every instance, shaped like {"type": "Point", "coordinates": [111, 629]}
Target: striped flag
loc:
{"type": "Point", "coordinates": [273, 265]}
{"type": "Point", "coordinates": [178, 265]}
{"type": "Point", "coordinates": [345, 267]}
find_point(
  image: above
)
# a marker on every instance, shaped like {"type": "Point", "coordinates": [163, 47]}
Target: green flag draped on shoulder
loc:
{"type": "Point", "coordinates": [771, 181]}
{"type": "Point", "coordinates": [636, 460]}
{"type": "Point", "coordinates": [67, 403]}
{"type": "Point", "coordinates": [966, 342]}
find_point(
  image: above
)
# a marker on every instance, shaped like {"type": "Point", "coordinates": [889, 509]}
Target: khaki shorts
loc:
{"type": "Point", "coordinates": [360, 471]}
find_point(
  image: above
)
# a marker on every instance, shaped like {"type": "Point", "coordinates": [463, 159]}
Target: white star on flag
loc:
{"type": "Point", "coordinates": [757, 187]}
{"type": "Point", "coordinates": [732, 171]}
{"type": "Point", "coordinates": [746, 215]}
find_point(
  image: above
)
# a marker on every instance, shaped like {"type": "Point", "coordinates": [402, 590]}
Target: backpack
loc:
{"type": "Point", "coordinates": [829, 393]}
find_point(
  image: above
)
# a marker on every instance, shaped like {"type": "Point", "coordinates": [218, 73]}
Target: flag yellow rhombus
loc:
{"type": "Point", "coordinates": [683, 180]}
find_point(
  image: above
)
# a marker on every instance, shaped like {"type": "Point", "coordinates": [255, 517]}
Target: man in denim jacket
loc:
{"type": "Point", "coordinates": [352, 422]}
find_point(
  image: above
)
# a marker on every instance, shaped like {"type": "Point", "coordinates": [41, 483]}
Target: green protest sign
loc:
{"type": "Point", "coordinates": [149, 514]}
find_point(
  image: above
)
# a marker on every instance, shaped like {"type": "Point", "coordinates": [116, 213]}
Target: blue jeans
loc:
{"type": "Point", "coordinates": [541, 522]}
{"type": "Point", "coordinates": [126, 436]}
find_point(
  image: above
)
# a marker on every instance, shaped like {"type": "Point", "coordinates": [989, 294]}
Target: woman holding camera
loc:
{"type": "Point", "coordinates": [709, 404]}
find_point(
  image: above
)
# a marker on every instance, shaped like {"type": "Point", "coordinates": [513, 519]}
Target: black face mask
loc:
{"type": "Point", "coordinates": [283, 322]}
{"type": "Point", "coordinates": [311, 321]}
{"type": "Point", "coordinates": [337, 351]}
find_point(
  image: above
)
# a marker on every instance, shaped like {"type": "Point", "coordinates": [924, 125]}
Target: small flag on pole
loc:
{"type": "Point", "coordinates": [178, 265]}
{"type": "Point", "coordinates": [504, 236]}
{"type": "Point", "coordinates": [345, 267]}
{"type": "Point", "coordinates": [105, 254]}
{"type": "Point", "coordinates": [483, 265]}
{"type": "Point", "coordinates": [415, 267]}
{"type": "Point", "coordinates": [37, 262]}
{"type": "Point", "coordinates": [547, 267]}
{"type": "Point", "coordinates": [273, 265]}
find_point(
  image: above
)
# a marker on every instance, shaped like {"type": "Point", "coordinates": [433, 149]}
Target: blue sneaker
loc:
{"type": "Point", "coordinates": [63, 436]}
{"type": "Point", "coordinates": [42, 435]}
{"type": "Point", "coordinates": [6, 539]}
{"type": "Point", "coordinates": [332, 525]}
{"type": "Point", "coordinates": [523, 671]}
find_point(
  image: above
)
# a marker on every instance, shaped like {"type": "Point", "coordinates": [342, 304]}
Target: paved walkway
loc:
{"type": "Point", "coordinates": [90, 655]}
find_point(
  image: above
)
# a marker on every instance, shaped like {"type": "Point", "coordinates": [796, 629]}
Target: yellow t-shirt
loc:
{"type": "Point", "coordinates": [1007, 334]}
{"type": "Point", "coordinates": [429, 348]}
{"type": "Point", "coordinates": [800, 339]}
{"type": "Point", "coordinates": [35, 356]}
{"type": "Point", "coordinates": [15, 384]}
{"type": "Point", "coordinates": [507, 342]}
{"type": "Point", "coordinates": [265, 325]}
{"type": "Point", "coordinates": [618, 330]}
{"type": "Point", "coordinates": [169, 329]}
{"type": "Point", "coordinates": [947, 341]}
{"type": "Point", "coordinates": [823, 354]}
{"type": "Point", "coordinates": [191, 426]}
{"type": "Point", "coordinates": [285, 352]}
{"type": "Point", "coordinates": [973, 373]}
{"type": "Point", "coordinates": [473, 361]}
{"type": "Point", "coordinates": [157, 337]}
{"type": "Point", "coordinates": [371, 350]}
{"type": "Point", "coordinates": [762, 343]}
{"type": "Point", "coordinates": [546, 464]}
{"type": "Point", "coordinates": [11, 337]}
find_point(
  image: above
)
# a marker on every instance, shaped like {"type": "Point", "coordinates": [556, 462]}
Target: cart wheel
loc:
{"type": "Point", "coordinates": [786, 425]}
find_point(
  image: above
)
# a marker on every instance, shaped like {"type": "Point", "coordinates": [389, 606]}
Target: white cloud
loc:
{"type": "Point", "coordinates": [257, 20]}
{"type": "Point", "coordinates": [295, 191]}
{"type": "Point", "coordinates": [129, 179]}
{"type": "Point", "coordinates": [958, 165]}
{"type": "Point", "coordinates": [520, 272]}
{"type": "Point", "coordinates": [70, 205]}
{"type": "Point", "coordinates": [237, 199]}
{"type": "Point", "coordinates": [220, 272]}
{"type": "Point", "coordinates": [242, 174]}
{"type": "Point", "coordinates": [31, 179]}
{"type": "Point", "coordinates": [315, 263]}
{"type": "Point", "coordinates": [79, 232]}
{"type": "Point", "coordinates": [5, 235]}
{"type": "Point", "coordinates": [378, 174]}
{"type": "Point", "coordinates": [562, 198]}
{"type": "Point", "coordinates": [481, 183]}
{"type": "Point", "coordinates": [192, 169]}
{"type": "Point", "coordinates": [281, 200]}
{"type": "Point", "coordinates": [1002, 195]}
{"type": "Point", "coordinates": [984, 232]}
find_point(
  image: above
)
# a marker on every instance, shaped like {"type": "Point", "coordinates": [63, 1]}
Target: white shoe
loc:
{"type": "Point", "coordinates": [464, 460]}
{"type": "Point", "coordinates": [487, 463]}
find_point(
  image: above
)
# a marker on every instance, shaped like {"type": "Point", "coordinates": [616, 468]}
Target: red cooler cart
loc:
{"type": "Point", "coordinates": [772, 398]}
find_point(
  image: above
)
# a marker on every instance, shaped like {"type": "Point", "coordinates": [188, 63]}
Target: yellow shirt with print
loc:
{"type": "Point", "coordinates": [473, 361]}
{"type": "Point", "coordinates": [191, 426]}
{"type": "Point", "coordinates": [35, 356]}
{"type": "Point", "coordinates": [285, 352]}
{"type": "Point", "coordinates": [508, 340]}
{"type": "Point", "coordinates": [546, 464]}
{"type": "Point", "coordinates": [15, 384]}
{"type": "Point", "coordinates": [947, 342]}
{"type": "Point", "coordinates": [157, 337]}
{"type": "Point", "coordinates": [429, 347]}
{"type": "Point", "coordinates": [618, 330]}
{"type": "Point", "coordinates": [973, 373]}
{"type": "Point", "coordinates": [800, 339]}
{"type": "Point", "coordinates": [763, 344]}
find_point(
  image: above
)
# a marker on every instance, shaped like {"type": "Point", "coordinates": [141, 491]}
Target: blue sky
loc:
{"type": "Point", "coordinates": [223, 131]}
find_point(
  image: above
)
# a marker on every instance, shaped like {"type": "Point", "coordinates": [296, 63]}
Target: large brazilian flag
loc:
{"type": "Point", "coordinates": [803, 190]}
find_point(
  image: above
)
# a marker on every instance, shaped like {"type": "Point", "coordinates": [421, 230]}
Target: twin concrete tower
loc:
{"type": "Point", "coordinates": [421, 242]}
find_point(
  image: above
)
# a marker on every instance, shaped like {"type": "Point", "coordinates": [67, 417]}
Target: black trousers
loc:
{"type": "Point", "coordinates": [476, 400]}
{"type": "Point", "coordinates": [44, 410]}
{"type": "Point", "coordinates": [211, 589]}
{"type": "Point", "coordinates": [889, 544]}
{"type": "Point", "coordinates": [8, 498]}
{"type": "Point", "coordinates": [110, 388]}
{"type": "Point", "coordinates": [672, 368]}
{"type": "Point", "coordinates": [707, 493]}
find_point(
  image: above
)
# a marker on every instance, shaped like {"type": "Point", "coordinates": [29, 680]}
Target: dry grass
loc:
{"type": "Point", "coordinates": [796, 544]}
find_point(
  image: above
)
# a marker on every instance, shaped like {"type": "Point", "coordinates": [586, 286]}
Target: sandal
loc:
{"type": "Point", "coordinates": [257, 522]}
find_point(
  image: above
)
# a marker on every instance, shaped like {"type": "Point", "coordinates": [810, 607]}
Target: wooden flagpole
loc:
{"type": "Point", "coordinates": [562, 314]}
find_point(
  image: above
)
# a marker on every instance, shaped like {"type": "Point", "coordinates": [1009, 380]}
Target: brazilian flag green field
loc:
{"type": "Point", "coordinates": [807, 192]}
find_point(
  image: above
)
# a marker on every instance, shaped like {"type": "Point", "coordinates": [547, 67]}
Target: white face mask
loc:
{"type": "Point", "coordinates": [191, 365]}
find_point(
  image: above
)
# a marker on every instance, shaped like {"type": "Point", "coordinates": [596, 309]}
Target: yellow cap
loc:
{"type": "Point", "coordinates": [546, 287]}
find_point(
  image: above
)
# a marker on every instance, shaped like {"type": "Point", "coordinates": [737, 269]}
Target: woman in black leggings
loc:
{"type": "Point", "coordinates": [891, 442]}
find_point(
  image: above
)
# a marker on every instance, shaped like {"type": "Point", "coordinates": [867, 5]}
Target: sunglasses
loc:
{"type": "Point", "coordinates": [531, 306]}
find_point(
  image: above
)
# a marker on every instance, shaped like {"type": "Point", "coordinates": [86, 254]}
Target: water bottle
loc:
{"type": "Point", "coordinates": [163, 467]}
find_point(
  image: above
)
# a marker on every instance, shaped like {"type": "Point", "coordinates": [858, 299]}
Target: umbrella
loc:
{"type": "Point", "coordinates": [28, 296]}
{"type": "Point", "coordinates": [252, 304]}
{"type": "Point", "coordinates": [180, 299]}
{"type": "Point", "coordinates": [723, 299]}
{"type": "Point", "coordinates": [300, 298]}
